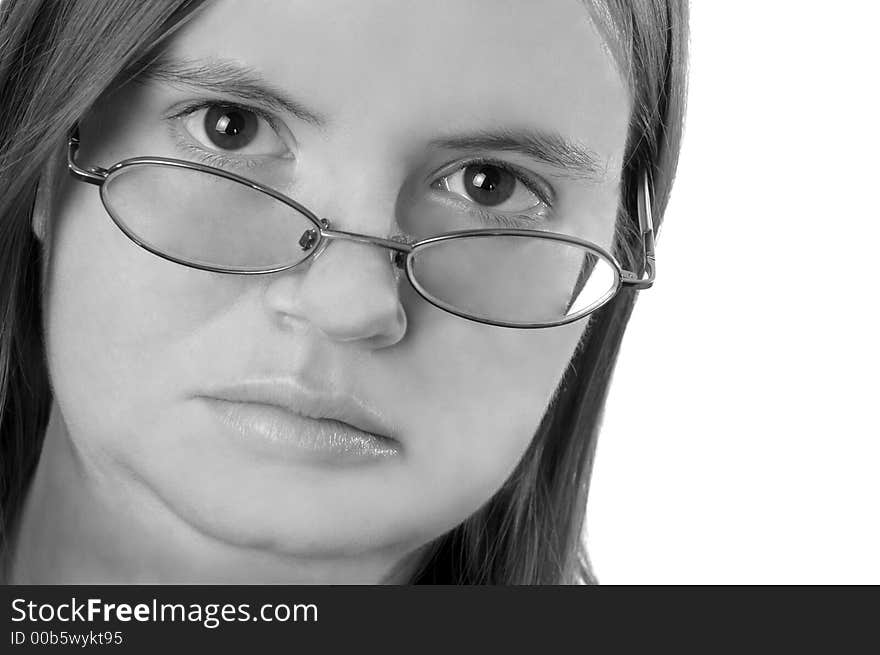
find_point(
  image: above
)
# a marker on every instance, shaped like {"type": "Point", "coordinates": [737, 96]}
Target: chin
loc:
{"type": "Point", "coordinates": [284, 508]}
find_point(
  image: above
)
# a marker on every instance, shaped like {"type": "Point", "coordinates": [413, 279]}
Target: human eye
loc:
{"type": "Point", "coordinates": [228, 135]}
{"type": "Point", "coordinates": [498, 192]}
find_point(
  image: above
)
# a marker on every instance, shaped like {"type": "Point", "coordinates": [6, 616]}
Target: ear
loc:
{"type": "Point", "coordinates": [47, 187]}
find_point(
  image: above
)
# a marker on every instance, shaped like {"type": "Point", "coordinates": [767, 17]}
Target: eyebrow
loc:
{"type": "Point", "coordinates": [229, 78]}
{"type": "Point", "coordinates": [571, 159]}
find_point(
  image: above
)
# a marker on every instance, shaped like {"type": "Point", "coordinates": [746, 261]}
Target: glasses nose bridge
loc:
{"type": "Point", "coordinates": [399, 245]}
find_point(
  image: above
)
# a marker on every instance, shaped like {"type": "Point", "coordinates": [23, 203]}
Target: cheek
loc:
{"type": "Point", "coordinates": [478, 394]}
{"type": "Point", "coordinates": [117, 316]}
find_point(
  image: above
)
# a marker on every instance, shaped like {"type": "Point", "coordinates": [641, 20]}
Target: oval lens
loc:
{"type": "Point", "coordinates": [517, 280]}
{"type": "Point", "coordinates": [203, 219]}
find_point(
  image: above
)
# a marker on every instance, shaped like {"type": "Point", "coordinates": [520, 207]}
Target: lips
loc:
{"type": "Point", "coordinates": [307, 401]}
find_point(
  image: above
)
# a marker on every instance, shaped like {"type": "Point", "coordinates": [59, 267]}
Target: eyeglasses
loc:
{"type": "Point", "coordinates": [214, 220]}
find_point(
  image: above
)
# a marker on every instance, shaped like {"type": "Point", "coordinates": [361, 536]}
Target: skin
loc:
{"type": "Point", "coordinates": [134, 484]}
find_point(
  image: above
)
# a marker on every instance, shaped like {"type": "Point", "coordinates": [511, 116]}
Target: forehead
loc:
{"type": "Point", "coordinates": [423, 64]}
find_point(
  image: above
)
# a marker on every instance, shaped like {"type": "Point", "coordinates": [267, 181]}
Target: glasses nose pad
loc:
{"type": "Point", "coordinates": [308, 239]}
{"type": "Point", "coordinates": [312, 244]}
{"type": "Point", "coordinates": [398, 257]}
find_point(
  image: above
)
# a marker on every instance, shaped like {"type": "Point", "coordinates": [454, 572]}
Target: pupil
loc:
{"type": "Point", "coordinates": [487, 184]}
{"type": "Point", "coordinates": [230, 128]}
{"type": "Point", "coordinates": [231, 124]}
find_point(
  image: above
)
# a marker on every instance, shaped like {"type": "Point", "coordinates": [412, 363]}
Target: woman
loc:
{"type": "Point", "coordinates": [242, 358]}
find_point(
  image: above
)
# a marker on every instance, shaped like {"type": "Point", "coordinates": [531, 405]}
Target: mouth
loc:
{"type": "Point", "coordinates": [302, 400]}
{"type": "Point", "coordinates": [285, 419]}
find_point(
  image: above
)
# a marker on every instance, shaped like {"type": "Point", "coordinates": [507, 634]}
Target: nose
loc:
{"type": "Point", "coordinates": [349, 292]}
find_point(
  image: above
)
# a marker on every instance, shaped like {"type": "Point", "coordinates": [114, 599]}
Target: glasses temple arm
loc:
{"type": "Point", "coordinates": [646, 227]}
{"type": "Point", "coordinates": [92, 175]}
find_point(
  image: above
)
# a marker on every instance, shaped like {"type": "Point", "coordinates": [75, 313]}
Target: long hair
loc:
{"type": "Point", "coordinates": [531, 531]}
{"type": "Point", "coordinates": [58, 57]}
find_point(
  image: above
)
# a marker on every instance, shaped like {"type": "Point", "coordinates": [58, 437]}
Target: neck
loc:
{"type": "Point", "coordinates": [81, 526]}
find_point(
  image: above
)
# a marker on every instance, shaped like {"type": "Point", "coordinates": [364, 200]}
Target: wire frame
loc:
{"type": "Point", "coordinates": [405, 254]}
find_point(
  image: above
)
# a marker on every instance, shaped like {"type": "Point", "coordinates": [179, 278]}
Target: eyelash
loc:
{"type": "Point", "coordinates": [543, 193]}
{"type": "Point", "coordinates": [518, 220]}
{"type": "Point", "coordinates": [209, 157]}
{"type": "Point", "coordinates": [511, 220]}
{"type": "Point", "coordinates": [219, 160]}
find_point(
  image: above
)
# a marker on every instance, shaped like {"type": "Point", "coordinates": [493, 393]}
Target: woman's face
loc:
{"type": "Point", "coordinates": [392, 101]}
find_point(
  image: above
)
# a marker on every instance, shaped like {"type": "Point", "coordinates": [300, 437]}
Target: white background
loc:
{"type": "Point", "coordinates": [741, 442]}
